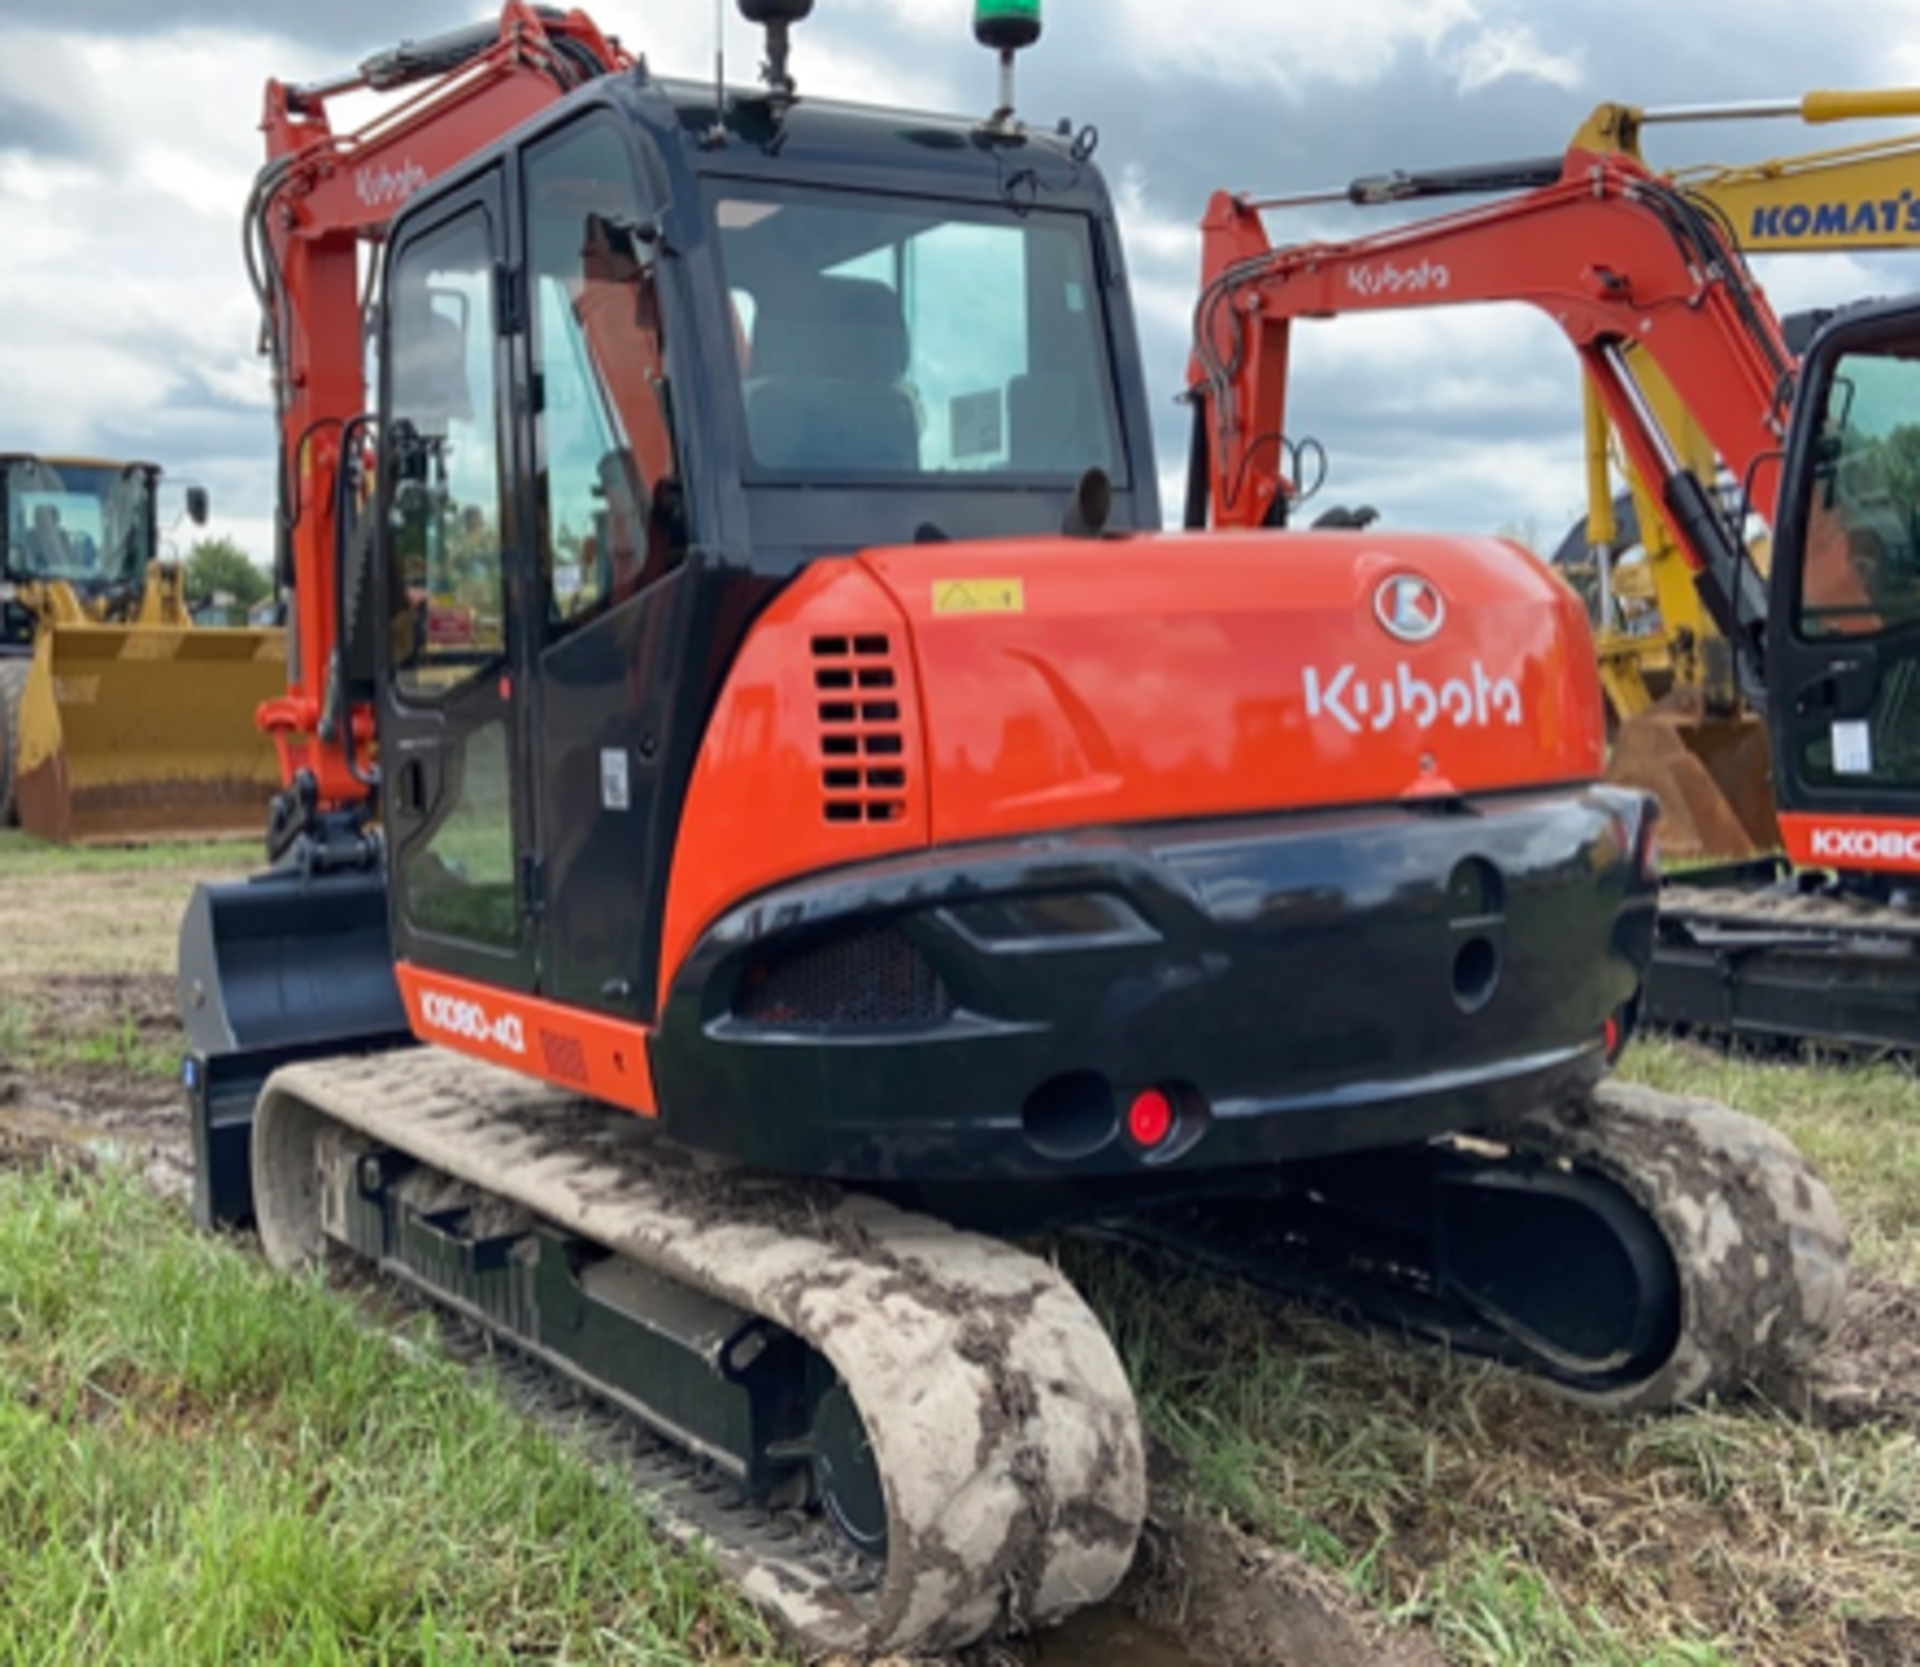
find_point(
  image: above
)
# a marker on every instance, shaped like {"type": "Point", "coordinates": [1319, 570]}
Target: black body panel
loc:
{"type": "Point", "coordinates": [1297, 986]}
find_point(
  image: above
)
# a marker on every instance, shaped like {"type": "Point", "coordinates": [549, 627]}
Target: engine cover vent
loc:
{"type": "Point", "coordinates": [863, 773]}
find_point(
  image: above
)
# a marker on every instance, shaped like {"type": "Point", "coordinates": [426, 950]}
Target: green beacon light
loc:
{"type": "Point", "coordinates": [1005, 26]}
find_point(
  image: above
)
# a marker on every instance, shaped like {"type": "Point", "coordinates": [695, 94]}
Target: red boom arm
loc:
{"type": "Point", "coordinates": [1609, 252]}
{"type": "Point", "coordinates": [321, 197]}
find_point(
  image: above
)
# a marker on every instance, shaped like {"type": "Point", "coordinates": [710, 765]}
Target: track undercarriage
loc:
{"type": "Point", "coordinates": [937, 1411]}
{"type": "Point", "coordinates": [945, 1401]}
{"type": "Point", "coordinates": [1757, 954]}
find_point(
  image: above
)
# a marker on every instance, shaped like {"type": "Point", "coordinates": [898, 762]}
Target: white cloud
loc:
{"type": "Point", "coordinates": [1290, 44]}
{"type": "Point", "coordinates": [1507, 51]}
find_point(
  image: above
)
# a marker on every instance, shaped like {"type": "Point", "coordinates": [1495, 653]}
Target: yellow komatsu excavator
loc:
{"type": "Point", "coordinates": [120, 718]}
{"type": "Point", "coordinates": [1682, 728]}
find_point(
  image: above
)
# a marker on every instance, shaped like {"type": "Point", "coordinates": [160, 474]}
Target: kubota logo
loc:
{"type": "Point", "coordinates": [1383, 278]}
{"type": "Point", "coordinates": [1409, 607]}
{"type": "Point", "coordinates": [1475, 701]}
{"type": "Point", "coordinates": [383, 187]}
{"type": "Point", "coordinates": [1866, 844]}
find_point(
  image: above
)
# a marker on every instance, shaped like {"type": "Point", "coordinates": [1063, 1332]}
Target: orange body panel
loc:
{"type": "Point", "coordinates": [1158, 678]}
{"type": "Point", "coordinates": [1883, 844]}
{"type": "Point", "coordinates": [798, 768]}
{"type": "Point", "coordinates": [1176, 678]}
{"type": "Point", "coordinates": [587, 1052]}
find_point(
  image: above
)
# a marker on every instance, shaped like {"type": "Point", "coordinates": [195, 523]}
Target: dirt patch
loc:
{"type": "Point", "coordinates": [50, 1093]}
{"type": "Point", "coordinates": [1871, 1371]}
{"type": "Point", "coordinates": [92, 922]}
{"type": "Point", "coordinates": [1232, 1600]}
{"type": "Point", "coordinates": [1876, 1643]}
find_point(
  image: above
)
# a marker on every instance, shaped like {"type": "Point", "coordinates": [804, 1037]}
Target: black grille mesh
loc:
{"type": "Point", "coordinates": [873, 976]}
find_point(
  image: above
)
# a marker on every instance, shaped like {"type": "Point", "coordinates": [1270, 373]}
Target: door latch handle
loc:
{"type": "Point", "coordinates": [412, 786]}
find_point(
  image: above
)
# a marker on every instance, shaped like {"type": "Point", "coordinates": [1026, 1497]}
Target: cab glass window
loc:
{"type": "Point", "coordinates": [448, 615]}
{"type": "Point", "coordinates": [894, 338]}
{"type": "Point", "coordinates": [611, 517]}
{"type": "Point", "coordinates": [1861, 570]}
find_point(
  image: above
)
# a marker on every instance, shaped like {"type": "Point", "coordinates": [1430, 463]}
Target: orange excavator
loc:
{"type": "Point", "coordinates": [768, 816]}
{"type": "Point", "coordinates": [1646, 283]}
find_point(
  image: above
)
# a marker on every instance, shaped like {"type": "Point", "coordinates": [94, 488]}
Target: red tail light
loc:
{"type": "Point", "coordinates": [1150, 1118]}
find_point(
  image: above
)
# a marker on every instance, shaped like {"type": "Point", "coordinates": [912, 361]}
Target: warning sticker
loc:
{"type": "Point", "coordinates": [979, 596]}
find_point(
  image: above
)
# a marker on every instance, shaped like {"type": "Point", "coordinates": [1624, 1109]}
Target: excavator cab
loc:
{"type": "Point", "coordinates": [1844, 624]}
{"type": "Point", "coordinates": [722, 382]}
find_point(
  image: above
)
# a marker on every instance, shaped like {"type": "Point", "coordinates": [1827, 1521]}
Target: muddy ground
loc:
{"type": "Point", "coordinates": [90, 957]}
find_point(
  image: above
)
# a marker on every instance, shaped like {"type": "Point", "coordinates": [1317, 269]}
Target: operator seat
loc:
{"type": "Point", "coordinates": [827, 392]}
{"type": "Point", "coordinates": [48, 550]}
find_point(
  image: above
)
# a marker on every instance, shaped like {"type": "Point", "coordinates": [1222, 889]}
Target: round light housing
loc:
{"type": "Point", "coordinates": [1006, 25]}
{"type": "Point", "coordinates": [765, 12]}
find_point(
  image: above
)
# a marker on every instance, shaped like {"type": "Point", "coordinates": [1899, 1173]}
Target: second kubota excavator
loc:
{"type": "Point", "coordinates": [1659, 652]}
{"type": "Point", "coordinates": [746, 723]}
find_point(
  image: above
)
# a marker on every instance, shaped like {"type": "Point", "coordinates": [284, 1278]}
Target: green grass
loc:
{"type": "Point", "coordinates": [200, 1462]}
{"type": "Point", "coordinates": [22, 856]}
{"type": "Point", "coordinates": [115, 1044]}
{"type": "Point", "coordinates": [1513, 1529]}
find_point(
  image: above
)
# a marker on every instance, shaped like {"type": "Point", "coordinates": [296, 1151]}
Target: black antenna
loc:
{"type": "Point", "coordinates": [717, 134]}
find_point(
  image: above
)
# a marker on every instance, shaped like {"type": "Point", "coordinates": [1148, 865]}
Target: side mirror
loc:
{"type": "Point", "coordinates": [198, 504]}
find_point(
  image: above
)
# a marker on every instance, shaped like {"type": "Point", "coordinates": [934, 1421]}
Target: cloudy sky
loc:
{"type": "Point", "coordinates": [128, 139]}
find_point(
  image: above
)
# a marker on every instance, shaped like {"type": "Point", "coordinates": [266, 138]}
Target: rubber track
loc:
{"type": "Point", "coordinates": [1005, 1432]}
{"type": "Point", "coordinates": [1777, 967]}
{"type": "Point", "coordinates": [13, 683]}
{"type": "Point", "coordinates": [1758, 1240]}
{"type": "Point", "coordinates": [1811, 914]}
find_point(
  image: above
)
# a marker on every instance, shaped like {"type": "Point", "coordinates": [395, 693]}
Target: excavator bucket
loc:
{"type": "Point", "coordinates": [133, 733]}
{"type": "Point", "coordinates": [1711, 773]}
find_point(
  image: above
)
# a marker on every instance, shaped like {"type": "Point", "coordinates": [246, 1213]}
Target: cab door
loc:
{"type": "Point", "coordinates": [1844, 666]}
{"type": "Point", "coordinates": [452, 754]}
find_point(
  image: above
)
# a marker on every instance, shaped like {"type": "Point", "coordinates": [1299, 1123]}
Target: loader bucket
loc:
{"type": "Point", "coordinates": [131, 733]}
{"type": "Point", "coordinates": [1711, 773]}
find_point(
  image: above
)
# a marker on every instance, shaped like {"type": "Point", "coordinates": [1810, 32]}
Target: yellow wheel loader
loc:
{"type": "Point", "coordinates": [120, 718]}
